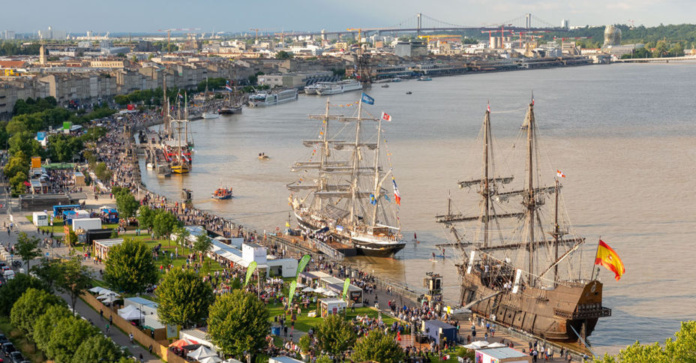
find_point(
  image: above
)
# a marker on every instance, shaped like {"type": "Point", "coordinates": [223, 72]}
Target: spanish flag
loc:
{"type": "Point", "coordinates": [609, 259]}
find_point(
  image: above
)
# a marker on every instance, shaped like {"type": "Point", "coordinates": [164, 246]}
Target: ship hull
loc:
{"type": "Point", "coordinates": [566, 313]}
{"type": "Point", "coordinates": [362, 247]}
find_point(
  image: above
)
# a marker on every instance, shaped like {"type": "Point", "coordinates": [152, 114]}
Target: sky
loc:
{"type": "Point", "coordinates": [78, 16]}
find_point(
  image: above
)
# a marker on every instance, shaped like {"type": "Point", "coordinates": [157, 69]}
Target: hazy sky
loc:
{"type": "Point", "coordinates": [276, 15]}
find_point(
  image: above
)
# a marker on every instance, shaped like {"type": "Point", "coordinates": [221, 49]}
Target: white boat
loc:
{"type": "Point", "coordinates": [208, 115]}
{"type": "Point", "coordinates": [312, 88]}
{"type": "Point", "coordinates": [263, 99]}
{"type": "Point", "coordinates": [340, 87]}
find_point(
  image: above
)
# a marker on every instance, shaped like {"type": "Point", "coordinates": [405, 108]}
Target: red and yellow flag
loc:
{"type": "Point", "coordinates": [609, 259]}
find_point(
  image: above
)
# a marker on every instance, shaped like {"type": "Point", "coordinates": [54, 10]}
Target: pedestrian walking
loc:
{"type": "Point", "coordinates": [101, 315]}
{"type": "Point", "coordinates": [130, 336]}
{"type": "Point", "coordinates": [107, 328]}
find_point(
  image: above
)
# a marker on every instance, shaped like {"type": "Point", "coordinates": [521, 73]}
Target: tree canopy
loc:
{"type": "Point", "coordinates": [184, 299]}
{"type": "Point", "coordinates": [335, 335]}
{"type": "Point", "coordinates": [74, 280]}
{"type": "Point", "coordinates": [97, 349]}
{"type": "Point", "coordinates": [30, 307]}
{"type": "Point", "coordinates": [238, 323]}
{"type": "Point", "coordinates": [130, 267]}
{"type": "Point", "coordinates": [164, 224]}
{"type": "Point", "coordinates": [680, 349]}
{"type": "Point", "coordinates": [46, 323]}
{"type": "Point", "coordinates": [378, 347]}
{"type": "Point", "coordinates": [66, 338]}
{"type": "Point", "coordinates": [13, 289]}
{"type": "Point", "coordinates": [126, 204]}
{"type": "Point", "coordinates": [27, 248]}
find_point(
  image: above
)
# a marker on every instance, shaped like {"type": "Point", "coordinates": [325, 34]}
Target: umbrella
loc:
{"type": "Point", "coordinates": [480, 344]}
{"type": "Point", "coordinates": [211, 359]}
{"type": "Point", "coordinates": [320, 290]}
{"type": "Point", "coordinates": [299, 284]}
{"type": "Point", "coordinates": [96, 289]}
{"type": "Point", "coordinates": [110, 299]}
{"type": "Point", "coordinates": [200, 353]}
{"type": "Point", "coordinates": [331, 294]}
{"type": "Point", "coordinates": [232, 360]}
{"type": "Point", "coordinates": [308, 289]}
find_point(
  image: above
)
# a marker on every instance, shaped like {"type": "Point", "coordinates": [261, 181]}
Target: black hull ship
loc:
{"type": "Point", "coordinates": [526, 275]}
{"type": "Point", "coordinates": [340, 196]}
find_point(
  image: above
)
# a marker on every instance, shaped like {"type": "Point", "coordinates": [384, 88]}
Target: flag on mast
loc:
{"type": "Point", "coordinates": [367, 99]}
{"type": "Point", "coordinates": [386, 117]}
{"type": "Point", "coordinates": [609, 259]}
{"type": "Point", "coordinates": [397, 195]}
{"type": "Point", "coordinates": [560, 174]}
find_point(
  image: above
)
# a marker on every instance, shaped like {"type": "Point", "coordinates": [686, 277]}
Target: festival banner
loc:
{"type": "Point", "coordinates": [346, 284]}
{"type": "Point", "coordinates": [302, 264]}
{"type": "Point", "coordinates": [250, 272]}
{"type": "Point", "coordinates": [291, 293]}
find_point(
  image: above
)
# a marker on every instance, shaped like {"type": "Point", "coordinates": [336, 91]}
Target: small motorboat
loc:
{"type": "Point", "coordinates": [385, 86]}
{"type": "Point", "coordinates": [409, 93]}
{"type": "Point", "coordinates": [222, 193]}
{"type": "Point", "coordinates": [263, 156]}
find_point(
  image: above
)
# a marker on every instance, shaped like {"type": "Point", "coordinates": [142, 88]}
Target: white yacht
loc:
{"type": "Point", "coordinates": [263, 99]}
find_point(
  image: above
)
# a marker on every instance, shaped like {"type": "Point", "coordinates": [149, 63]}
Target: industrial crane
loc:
{"type": "Point", "coordinates": [169, 33]}
{"type": "Point", "coordinates": [502, 32]}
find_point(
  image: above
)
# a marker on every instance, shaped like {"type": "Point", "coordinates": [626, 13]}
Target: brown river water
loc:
{"type": "Point", "coordinates": [625, 136]}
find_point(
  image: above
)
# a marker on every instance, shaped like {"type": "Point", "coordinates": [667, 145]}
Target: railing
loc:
{"type": "Point", "coordinates": [601, 312]}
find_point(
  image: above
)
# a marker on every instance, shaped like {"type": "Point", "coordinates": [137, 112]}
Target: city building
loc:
{"type": "Point", "coordinates": [411, 49]}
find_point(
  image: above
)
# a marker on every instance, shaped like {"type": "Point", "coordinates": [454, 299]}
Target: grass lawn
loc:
{"type": "Point", "coordinates": [20, 342]}
{"type": "Point", "coordinates": [304, 323]}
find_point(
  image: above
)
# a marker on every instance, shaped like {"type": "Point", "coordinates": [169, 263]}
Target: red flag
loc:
{"type": "Point", "coordinates": [386, 116]}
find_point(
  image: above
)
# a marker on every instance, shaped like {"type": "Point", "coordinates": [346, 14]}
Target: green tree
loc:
{"type": "Point", "coordinates": [48, 271]}
{"type": "Point", "coordinates": [66, 338]}
{"type": "Point", "coordinates": [126, 204]}
{"type": "Point", "coordinates": [17, 182]}
{"type": "Point", "coordinates": [146, 217]}
{"type": "Point", "coordinates": [74, 280]}
{"type": "Point", "coordinates": [661, 49]}
{"type": "Point", "coordinates": [27, 248]}
{"type": "Point", "coordinates": [97, 349]}
{"type": "Point", "coordinates": [378, 347]}
{"type": "Point", "coordinates": [681, 349]}
{"type": "Point", "coordinates": [164, 223]}
{"type": "Point", "coordinates": [47, 322]}
{"type": "Point", "coordinates": [30, 307]}
{"type": "Point", "coordinates": [238, 323]}
{"type": "Point", "coordinates": [13, 289]}
{"type": "Point", "coordinates": [202, 245]}
{"type": "Point", "coordinates": [183, 298]}
{"type": "Point", "coordinates": [283, 55]}
{"type": "Point", "coordinates": [335, 335]}
{"type": "Point", "coordinates": [182, 236]}
{"type": "Point", "coordinates": [130, 267]}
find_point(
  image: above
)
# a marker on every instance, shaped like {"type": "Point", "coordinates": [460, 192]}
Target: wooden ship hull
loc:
{"type": "Point", "coordinates": [565, 313]}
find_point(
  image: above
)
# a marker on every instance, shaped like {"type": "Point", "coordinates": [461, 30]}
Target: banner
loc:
{"type": "Point", "coordinates": [291, 293]}
{"type": "Point", "coordinates": [346, 284]}
{"type": "Point", "coordinates": [367, 99]}
{"type": "Point", "coordinates": [250, 272]}
{"type": "Point", "coordinates": [302, 264]}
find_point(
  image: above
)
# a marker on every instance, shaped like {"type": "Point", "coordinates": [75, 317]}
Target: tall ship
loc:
{"type": "Point", "coordinates": [339, 87]}
{"type": "Point", "coordinates": [340, 196]}
{"type": "Point", "coordinates": [209, 109]}
{"type": "Point", "coordinates": [233, 102]}
{"type": "Point", "coordinates": [522, 267]}
{"type": "Point", "coordinates": [262, 99]}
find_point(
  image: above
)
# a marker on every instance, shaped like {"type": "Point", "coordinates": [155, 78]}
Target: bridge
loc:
{"type": "Point", "coordinates": [421, 23]}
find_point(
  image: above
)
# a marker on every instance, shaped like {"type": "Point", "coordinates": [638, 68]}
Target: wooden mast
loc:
{"type": "Point", "coordinates": [530, 203]}
{"type": "Point", "coordinates": [485, 192]}
{"type": "Point", "coordinates": [556, 234]}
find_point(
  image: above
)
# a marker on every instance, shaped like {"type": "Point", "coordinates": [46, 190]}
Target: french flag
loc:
{"type": "Point", "coordinates": [397, 195]}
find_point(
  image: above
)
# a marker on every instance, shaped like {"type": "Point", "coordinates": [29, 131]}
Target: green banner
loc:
{"type": "Point", "coordinates": [302, 264]}
{"type": "Point", "coordinates": [345, 287]}
{"type": "Point", "coordinates": [67, 125]}
{"type": "Point", "coordinates": [291, 293]}
{"type": "Point", "coordinates": [250, 272]}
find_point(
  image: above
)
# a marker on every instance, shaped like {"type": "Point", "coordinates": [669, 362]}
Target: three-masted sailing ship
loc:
{"type": "Point", "coordinates": [525, 275]}
{"type": "Point", "coordinates": [344, 199]}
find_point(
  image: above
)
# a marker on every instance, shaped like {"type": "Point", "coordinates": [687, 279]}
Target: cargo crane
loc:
{"type": "Point", "coordinates": [526, 34]}
{"type": "Point", "coordinates": [169, 34]}
{"type": "Point", "coordinates": [502, 32]}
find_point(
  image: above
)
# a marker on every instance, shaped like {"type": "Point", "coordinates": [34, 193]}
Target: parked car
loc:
{"type": "Point", "coordinates": [8, 348]}
{"type": "Point", "coordinates": [16, 357]}
{"type": "Point", "coordinates": [3, 339]}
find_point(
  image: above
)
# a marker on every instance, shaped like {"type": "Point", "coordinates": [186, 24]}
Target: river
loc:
{"type": "Point", "coordinates": [623, 134]}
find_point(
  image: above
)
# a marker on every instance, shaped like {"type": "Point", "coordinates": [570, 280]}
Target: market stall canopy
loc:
{"type": "Point", "coordinates": [130, 313]}
{"type": "Point", "coordinates": [308, 289]}
{"type": "Point", "coordinates": [200, 353]}
{"type": "Point", "coordinates": [212, 359]}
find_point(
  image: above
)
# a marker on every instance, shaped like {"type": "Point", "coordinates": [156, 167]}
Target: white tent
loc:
{"type": "Point", "coordinates": [110, 299]}
{"type": "Point", "coordinates": [496, 345]}
{"type": "Point", "coordinates": [130, 313]}
{"type": "Point", "coordinates": [200, 353]}
{"type": "Point", "coordinates": [96, 289]}
{"type": "Point", "coordinates": [479, 344]}
{"type": "Point", "coordinates": [211, 359]}
{"type": "Point", "coordinates": [320, 290]}
{"type": "Point", "coordinates": [331, 294]}
{"type": "Point", "coordinates": [232, 360]}
{"type": "Point", "coordinates": [308, 289]}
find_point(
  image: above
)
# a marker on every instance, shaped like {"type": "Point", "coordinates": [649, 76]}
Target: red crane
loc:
{"type": "Point", "coordinates": [502, 32]}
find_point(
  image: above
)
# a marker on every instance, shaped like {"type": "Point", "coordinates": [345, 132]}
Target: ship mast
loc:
{"type": "Point", "coordinates": [356, 156]}
{"type": "Point", "coordinates": [530, 199]}
{"type": "Point", "coordinates": [485, 192]}
{"type": "Point", "coordinates": [377, 187]}
{"type": "Point", "coordinates": [556, 234]}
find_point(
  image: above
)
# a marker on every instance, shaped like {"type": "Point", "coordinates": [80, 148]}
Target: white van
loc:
{"type": "Point", "coordinates": [9, 275]}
